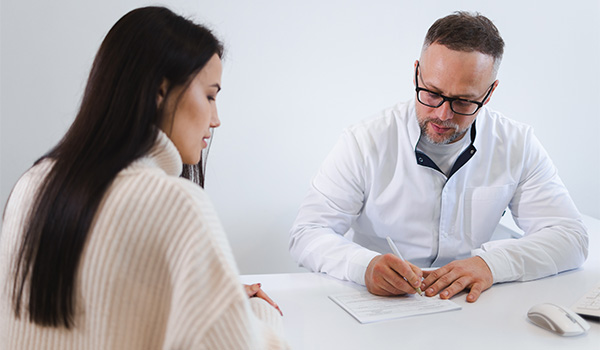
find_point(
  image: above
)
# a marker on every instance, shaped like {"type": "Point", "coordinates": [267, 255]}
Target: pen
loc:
{"type": "Point", "coordinates": [397, 253]}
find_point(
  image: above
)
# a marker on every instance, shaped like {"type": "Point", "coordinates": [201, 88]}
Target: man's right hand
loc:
{"type": "Point", "coordinates": [386, 275]}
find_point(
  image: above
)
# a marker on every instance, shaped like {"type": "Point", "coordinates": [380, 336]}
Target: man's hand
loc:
{"type": "Point", "coordinates": [472, 273]}
{"type": "Point", "coordinates": [388, 275]}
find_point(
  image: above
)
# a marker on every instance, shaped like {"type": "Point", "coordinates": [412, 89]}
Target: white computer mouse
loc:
{"type": "Point", "coordinates": [558, 319]}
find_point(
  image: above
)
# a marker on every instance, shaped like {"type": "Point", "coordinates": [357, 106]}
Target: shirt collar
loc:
{"type": "Point", "coordinates": [414, 133]}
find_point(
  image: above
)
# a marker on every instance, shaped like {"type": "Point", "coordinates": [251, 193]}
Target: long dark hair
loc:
{"type": "Point", "coordinates": [117, 123]}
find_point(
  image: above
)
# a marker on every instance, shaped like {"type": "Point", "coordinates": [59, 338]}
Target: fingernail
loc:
{"type": "Point", "coordinates": [430, 291]}
{"type": "Point", "coordinates": [444, 294]}
{"type": "Point", "coordinates": [259, 285]}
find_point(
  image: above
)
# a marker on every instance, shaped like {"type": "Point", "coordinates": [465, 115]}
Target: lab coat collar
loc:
{"type": "Point", "coordinates": [414, 133]}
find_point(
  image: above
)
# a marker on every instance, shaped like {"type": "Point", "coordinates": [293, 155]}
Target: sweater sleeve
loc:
{"type": "Point", "coordinates": [239, 327]}
{"type": "Point", "coordinates": [209, 306]}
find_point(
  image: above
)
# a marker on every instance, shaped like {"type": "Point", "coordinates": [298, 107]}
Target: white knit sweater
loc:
{"type": "Point", "coordinates": [157, 271]}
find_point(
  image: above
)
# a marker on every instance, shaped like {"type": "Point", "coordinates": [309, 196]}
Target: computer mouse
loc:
{"type": "Point", "coordinates": [558, 319]}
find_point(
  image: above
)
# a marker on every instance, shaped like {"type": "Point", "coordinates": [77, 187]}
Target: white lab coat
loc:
{"type": "Point", "coordinates": [374, 184]}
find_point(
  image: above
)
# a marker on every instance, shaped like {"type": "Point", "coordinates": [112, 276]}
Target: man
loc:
{"type": "Point", "coordinates": [436, 174]}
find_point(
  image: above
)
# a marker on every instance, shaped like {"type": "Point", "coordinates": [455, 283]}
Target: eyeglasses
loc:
{"type": "Point", "coordinates": [457, 105]}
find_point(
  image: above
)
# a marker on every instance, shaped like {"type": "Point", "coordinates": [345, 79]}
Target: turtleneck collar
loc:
{"type": "Point", "coordinates": [164, 155]}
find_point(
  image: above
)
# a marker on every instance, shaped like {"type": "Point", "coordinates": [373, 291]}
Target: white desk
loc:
{"type": "Point", "coordinates": [496, 321]}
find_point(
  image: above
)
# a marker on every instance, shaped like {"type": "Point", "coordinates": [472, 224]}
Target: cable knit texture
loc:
{"type": "Point", "coordinates": [157, 271]}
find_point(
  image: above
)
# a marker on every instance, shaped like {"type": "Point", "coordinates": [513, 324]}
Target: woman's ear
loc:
{"type": "Point", "coordinates": [162, 93]}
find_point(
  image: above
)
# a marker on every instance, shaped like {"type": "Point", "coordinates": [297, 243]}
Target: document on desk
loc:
{"type": "Point", "coordinates": [366, 307]}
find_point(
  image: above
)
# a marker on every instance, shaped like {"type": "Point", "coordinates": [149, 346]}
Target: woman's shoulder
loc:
{"type": "Point", "coordinates": [172, 212]}
{"type": "Point", "coordinates": [30, 180]}
{"type": "Point", "coordinates": [145, 185]}
{"type": "Point", "coordinates": [38, 170]}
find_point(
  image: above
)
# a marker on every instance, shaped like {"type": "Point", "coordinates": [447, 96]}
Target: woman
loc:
{"type": "Point", "coordinates": [103, 245]}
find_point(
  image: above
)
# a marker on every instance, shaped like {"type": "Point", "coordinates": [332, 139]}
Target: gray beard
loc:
{"type": "Point", "coordinates": [456, 135]}
{"type": "Point", "coordinates": [451, 139]}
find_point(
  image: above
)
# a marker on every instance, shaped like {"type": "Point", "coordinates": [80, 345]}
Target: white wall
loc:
{"type": "Point", "coordinates": [297, 73]}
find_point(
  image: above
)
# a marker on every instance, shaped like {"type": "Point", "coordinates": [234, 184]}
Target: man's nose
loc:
{"type": "Point", "coordinates": [444, 112]}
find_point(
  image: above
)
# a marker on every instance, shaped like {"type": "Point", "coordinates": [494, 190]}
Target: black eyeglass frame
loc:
{"type": "Point", "coordinates": [449, 99]}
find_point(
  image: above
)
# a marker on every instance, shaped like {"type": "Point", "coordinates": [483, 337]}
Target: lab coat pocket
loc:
{"type": "Point", "coordinates": [483, 209]}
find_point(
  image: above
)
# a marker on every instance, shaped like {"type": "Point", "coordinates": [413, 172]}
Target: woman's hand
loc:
{"type": "Point", "coordinates": [253, 290]}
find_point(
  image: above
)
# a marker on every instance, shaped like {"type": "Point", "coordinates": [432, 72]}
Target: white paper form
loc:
{"type": "Point", "coordinates": [366, 307]}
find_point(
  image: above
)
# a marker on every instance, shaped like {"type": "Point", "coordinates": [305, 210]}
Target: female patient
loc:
{"type": "Point", "coordinates": [104, 246]}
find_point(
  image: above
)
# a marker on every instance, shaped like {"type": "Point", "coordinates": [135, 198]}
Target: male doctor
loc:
{"type": "Point", "coordinates": [435, 174]}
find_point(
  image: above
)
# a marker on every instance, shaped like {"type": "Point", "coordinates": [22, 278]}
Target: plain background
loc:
{"type": "Point", "coordinates": [295, 74]}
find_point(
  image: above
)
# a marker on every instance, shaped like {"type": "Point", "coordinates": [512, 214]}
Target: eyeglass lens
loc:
{"type": "Point", "coordinates": [432, 99]}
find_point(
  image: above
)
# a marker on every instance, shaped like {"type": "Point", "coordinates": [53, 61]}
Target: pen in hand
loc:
{"type": "Point", "coordinates": [397, 253]}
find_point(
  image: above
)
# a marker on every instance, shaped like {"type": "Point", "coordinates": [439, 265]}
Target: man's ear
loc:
{"type": "Point", "coordinates": [415, 67]}
{"type": "Point", "coordinates": [492, 92]}
{"type": "Point", "coordinates": [162, 92]}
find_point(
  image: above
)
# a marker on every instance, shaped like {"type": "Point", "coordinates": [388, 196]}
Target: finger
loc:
{"type": "Point", "coordinates": [403, 272]}
{"type": "Point", "coordinates": [430, 277]}
{"type": "Point", "coordinates": [380, 285]}
{"type": "Point", "coordinates": [417, 270]}
{"type": "Point", "coordinates": [396, 284]}
{"type": "Point", "coordinates": [385, 288]}
{"type": "Point", "coordinates": [403, 276]}
{"type": "Point", "coordinates": [261, 294]}
{"type": "Point", "coordinates": [474, 293]}
{"type": "Point", "coordinates": [455, 287]}
{"type": "Point", "coordinates": [439, 280]}
{"type": "Point", "coordinates": [251, 289]}
{"type": "Point", "coordinates": [248, 289]}
{"type": "Point", "coordinates": [375, 279]}
{"type": "Point", "coordinates": [382, 279]}
{"type": "Point", "coordinates": [386, 282]}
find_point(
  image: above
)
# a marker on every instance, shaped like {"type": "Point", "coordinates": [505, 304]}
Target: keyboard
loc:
{"type": "Point", "coordinates": [588, 305]}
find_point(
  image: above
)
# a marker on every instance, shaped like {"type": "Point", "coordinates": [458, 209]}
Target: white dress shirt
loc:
{"type": "Point", "coordinates": [375, 183]}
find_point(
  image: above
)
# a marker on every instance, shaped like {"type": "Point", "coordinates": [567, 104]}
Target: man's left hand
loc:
{"type": "Point", "coordinates": [472, 273]}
